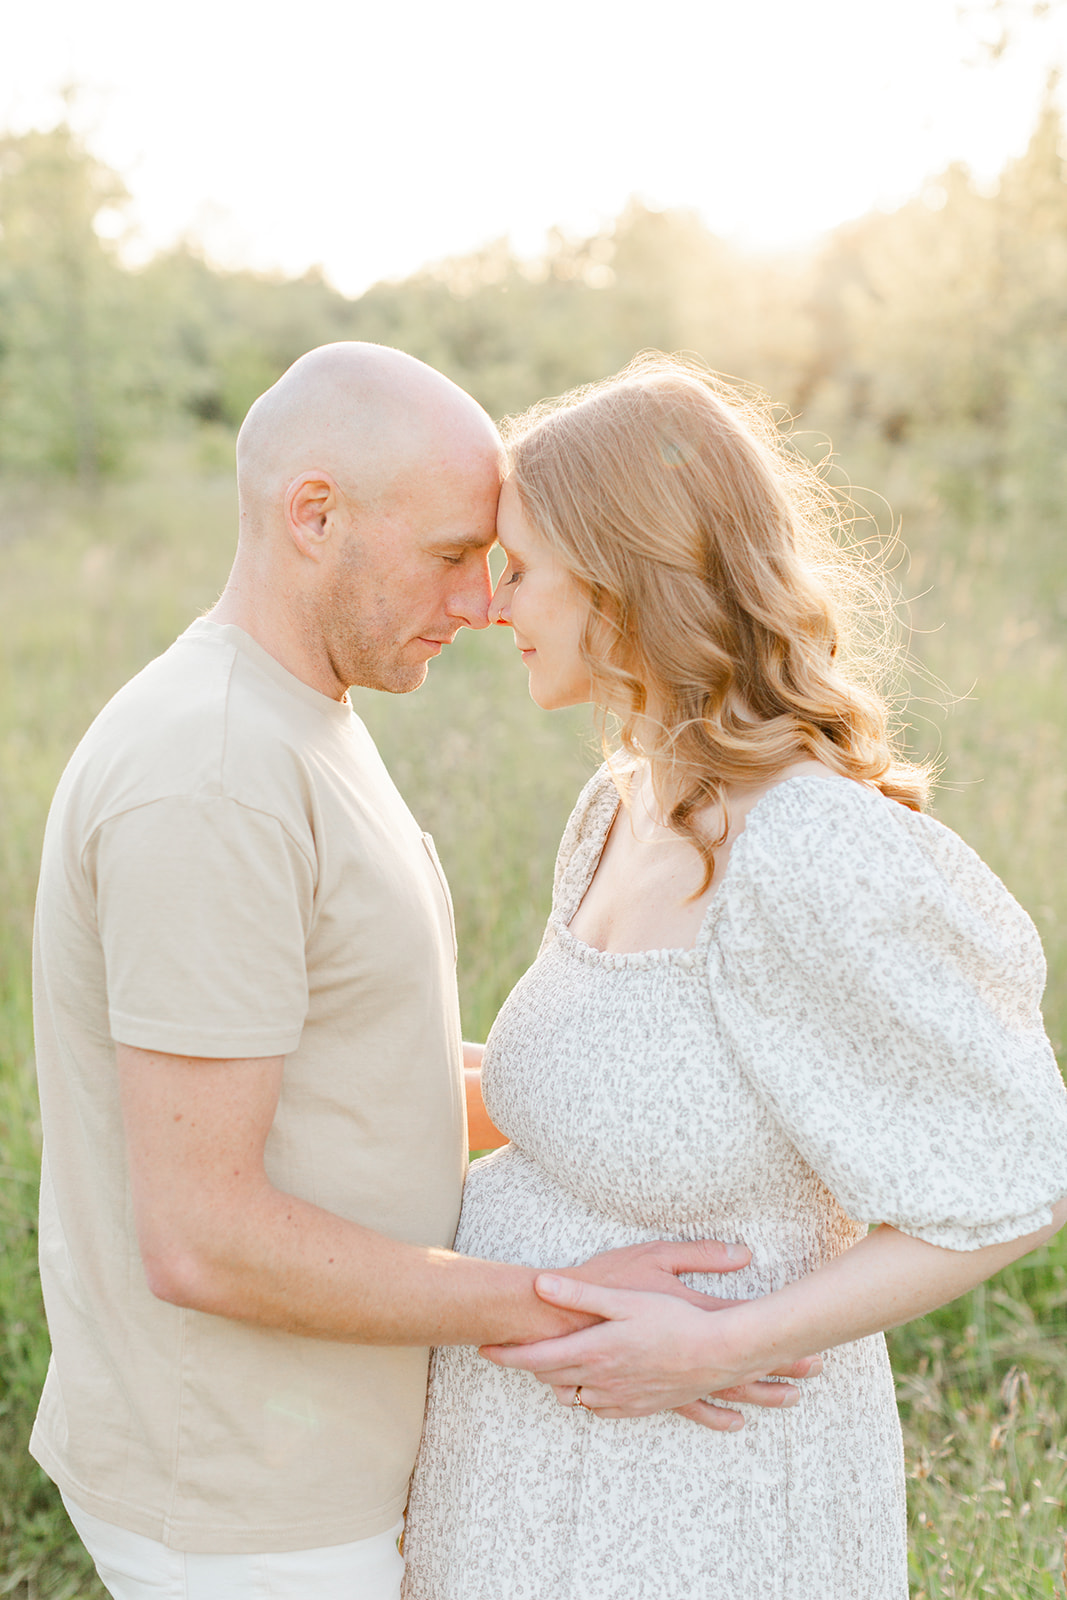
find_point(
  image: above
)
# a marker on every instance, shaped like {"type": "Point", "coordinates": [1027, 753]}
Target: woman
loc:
{"type": "Point", "coordinates": [774, 1003]}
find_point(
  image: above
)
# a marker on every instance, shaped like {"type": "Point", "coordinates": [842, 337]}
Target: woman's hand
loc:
{"type": "Point", "coordinates": [652, 1352]}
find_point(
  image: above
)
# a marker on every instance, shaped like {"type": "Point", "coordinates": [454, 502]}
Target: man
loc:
{"type": "Point", "coordinates": [248, 1034]}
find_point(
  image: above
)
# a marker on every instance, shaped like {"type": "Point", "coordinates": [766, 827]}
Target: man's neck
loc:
{"type": "Point", "coordinates": [259, 615]}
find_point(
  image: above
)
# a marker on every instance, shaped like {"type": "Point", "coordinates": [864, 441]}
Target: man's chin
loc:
{"type": "Point", "coordinates": [401, 680]}
{"type": "Point", "coordinates": [405, 679]}
{"type": "Point", "coordinates": [415, 680]}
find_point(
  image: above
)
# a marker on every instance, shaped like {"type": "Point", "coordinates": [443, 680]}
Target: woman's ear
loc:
{"type": "Point", "coordinates": [309, 500]}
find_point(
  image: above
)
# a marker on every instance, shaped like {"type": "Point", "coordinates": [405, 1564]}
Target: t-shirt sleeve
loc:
{"type": "Point", "coordinates": [883, 990]}
{"type": "Point", "coordinates": [203, 907]}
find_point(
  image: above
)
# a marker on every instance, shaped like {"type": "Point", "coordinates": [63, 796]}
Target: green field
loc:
{"type": "Point", "coordinates": [93, 587]}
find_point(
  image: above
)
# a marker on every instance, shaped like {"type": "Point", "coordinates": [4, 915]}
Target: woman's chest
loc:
{"type": "Point", "coordinates": [616, 1079]}
{"type": "Point", "coordinates": [646, 894]}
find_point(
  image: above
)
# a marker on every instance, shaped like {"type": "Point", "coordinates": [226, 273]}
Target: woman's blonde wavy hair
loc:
{"type": "Point", "coordinates": [735, 627]}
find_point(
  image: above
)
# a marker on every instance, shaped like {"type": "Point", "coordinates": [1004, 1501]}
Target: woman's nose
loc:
{"type": "Point", "coordinates": [499, 610]}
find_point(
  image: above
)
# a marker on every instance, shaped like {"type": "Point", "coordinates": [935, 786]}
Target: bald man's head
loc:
{"type": "Point", "coordinates": [369, 416]}
{"type": "Point", "coordinates": [368, 487]}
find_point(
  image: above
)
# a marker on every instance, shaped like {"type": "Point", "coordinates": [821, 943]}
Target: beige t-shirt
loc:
{"type": "Point", "coordinates": [228, 870]}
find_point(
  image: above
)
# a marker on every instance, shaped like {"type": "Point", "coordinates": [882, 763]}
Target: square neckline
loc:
{"type": "Point", "coordinates": [656, 955]}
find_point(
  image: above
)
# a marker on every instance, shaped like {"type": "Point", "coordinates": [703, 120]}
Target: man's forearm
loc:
{"type": "Point", "coordinates": [283, 1263]}
{"type": "Point", "coordinates": [217, 1236]}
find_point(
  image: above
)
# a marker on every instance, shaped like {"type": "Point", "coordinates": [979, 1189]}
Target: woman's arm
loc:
{"type": "Point", "coordinates": [654, 1353]}
{"type": "Point", "coordinates": [481, 1133]}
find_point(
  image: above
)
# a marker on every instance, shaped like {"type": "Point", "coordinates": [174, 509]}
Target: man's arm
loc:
{"type": "Point", "coordinates": [217, 1236]}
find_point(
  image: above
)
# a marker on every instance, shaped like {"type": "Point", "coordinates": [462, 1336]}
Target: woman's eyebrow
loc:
{"type": "Point", "coordinates": [510, 550]}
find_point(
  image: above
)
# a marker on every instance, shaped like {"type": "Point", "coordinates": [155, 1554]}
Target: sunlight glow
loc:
{"type": "Point", "coordinates": [373, 140]}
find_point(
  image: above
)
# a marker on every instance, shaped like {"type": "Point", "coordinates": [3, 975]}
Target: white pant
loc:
{"type": "Point", "coordinates": [132, 1567]}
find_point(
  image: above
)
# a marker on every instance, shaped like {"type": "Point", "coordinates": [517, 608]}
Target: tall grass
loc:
{"type": "Point", "coordinates": [92, 591]}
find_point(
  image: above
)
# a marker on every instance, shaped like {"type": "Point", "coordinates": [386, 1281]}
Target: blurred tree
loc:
{"type": "Point", "coordinates": [1032, 214]}
{"type": "Point", "coordinates": [896, 303]}
{"type": "Point", "coordinates": [937, 332]}
{"type": "Point", "coordinates": [512, 332]}
{"type": "Point", "coordinates": [940, 324]}
{"type": "Point", "coordinates": [676, 286]}
{"type": "Point", "coordinates": [223, 337]}
{"type": "Point", "coordinates": [507, 331]}
{"type": "Point", "coordinates": [64, 338]}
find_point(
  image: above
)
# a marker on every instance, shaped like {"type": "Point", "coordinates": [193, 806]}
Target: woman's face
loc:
{"type": "Point", "coordinates": [540, 601]}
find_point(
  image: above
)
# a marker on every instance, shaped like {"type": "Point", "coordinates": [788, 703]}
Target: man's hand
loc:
{"type": "Point", "coordinates": [654, 1268]}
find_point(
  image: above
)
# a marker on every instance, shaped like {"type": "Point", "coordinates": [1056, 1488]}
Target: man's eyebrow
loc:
{"type": "Point", "coordinates": [464, 541]}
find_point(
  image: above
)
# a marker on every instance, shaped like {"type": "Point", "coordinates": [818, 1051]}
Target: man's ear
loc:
{"type": "Point", "coordinates": [309, 500]}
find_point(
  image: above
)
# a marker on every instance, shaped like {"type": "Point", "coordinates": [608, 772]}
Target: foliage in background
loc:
{"type": "Point", "coordinates": [931, 343]}
{"type": "Point", "coordinates": [940, 328]}
{"type": "Point", "coordinates": [63, 344]}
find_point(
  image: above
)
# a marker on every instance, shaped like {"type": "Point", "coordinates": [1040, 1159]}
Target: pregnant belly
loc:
{"type": "Point", "coordinates": [516, 1495]}
{"type": "Point", "coordinates": [514, 1211]}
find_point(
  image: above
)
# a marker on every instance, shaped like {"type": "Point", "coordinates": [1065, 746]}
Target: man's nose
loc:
{"type": "Point", "coordinates": [472, 602]}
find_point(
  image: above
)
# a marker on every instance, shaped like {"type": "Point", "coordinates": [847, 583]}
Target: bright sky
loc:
{"type": "Point", "coordinates": [375, 138]}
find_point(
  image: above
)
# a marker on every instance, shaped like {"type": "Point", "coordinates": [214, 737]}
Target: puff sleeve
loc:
{"type": "Point", "coordinates": [883, 990]}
